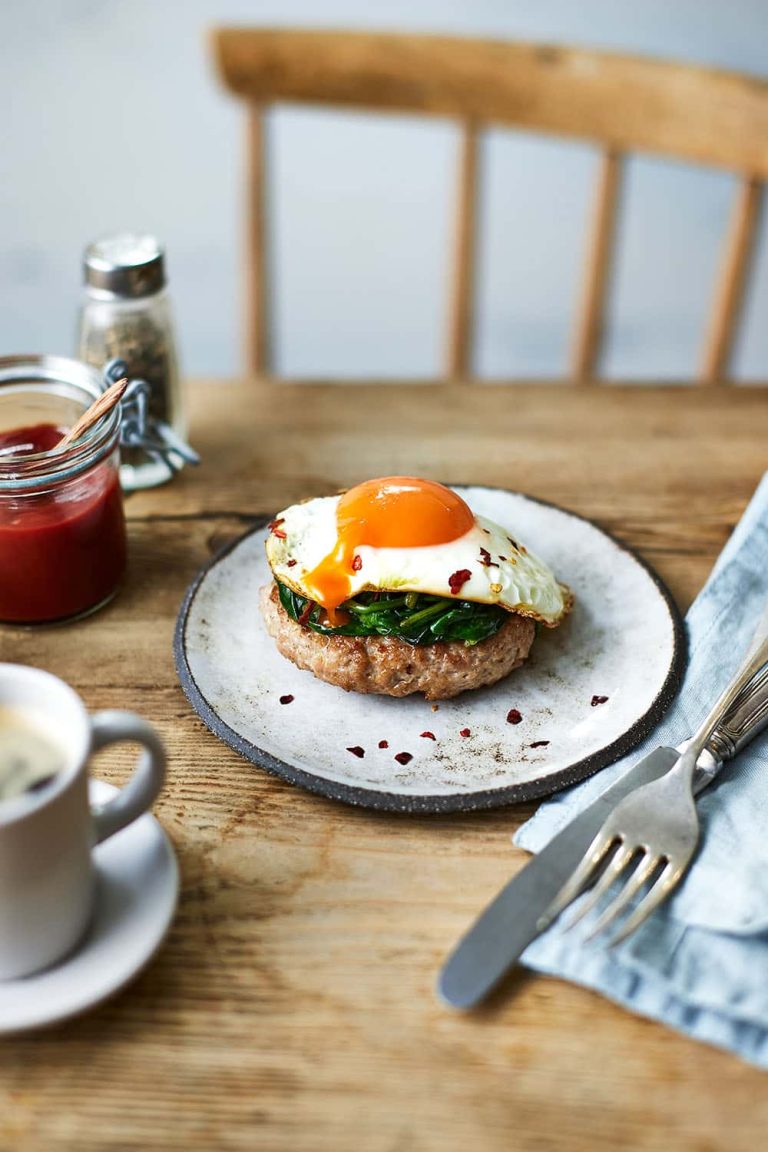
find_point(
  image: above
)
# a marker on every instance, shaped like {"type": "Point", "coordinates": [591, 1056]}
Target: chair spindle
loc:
{"type": "Point", "coordinates": [736, 263]}
{"type": "Point", "coordinates": [591, 314]}
{"type": "Point", "coordinates": [257, 318]}
{"type": "Point", "coordinates": [461, 321]}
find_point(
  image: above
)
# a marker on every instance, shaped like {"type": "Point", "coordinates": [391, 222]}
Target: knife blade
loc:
{"type": "Point", "coordinates": [511, 921]}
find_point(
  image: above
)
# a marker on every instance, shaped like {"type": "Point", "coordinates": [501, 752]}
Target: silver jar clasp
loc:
{"type": "Point", "coordinates": [140, 430]}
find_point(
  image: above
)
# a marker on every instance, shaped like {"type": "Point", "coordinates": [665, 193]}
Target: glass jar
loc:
{"type": "Point", "coordinates": [62, 529]}
{"type": "Point", "coordinates": [126, 315]}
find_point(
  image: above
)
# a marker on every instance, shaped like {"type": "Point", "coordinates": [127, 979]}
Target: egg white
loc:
{"type": "Point", "coordinates": [516, 579]}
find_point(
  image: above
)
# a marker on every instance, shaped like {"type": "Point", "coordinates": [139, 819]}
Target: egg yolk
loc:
{"type": "Point", "coordinates": [393, 512]}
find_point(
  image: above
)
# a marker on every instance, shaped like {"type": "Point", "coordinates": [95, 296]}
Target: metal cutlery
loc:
{"type": "Point", "coordinates": [650, 838]}
{"type": "Point", "coordinates": [513, 919]}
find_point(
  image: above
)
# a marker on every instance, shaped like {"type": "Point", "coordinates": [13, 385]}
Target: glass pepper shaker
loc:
{"type": "Point", "coordinates": [126, 315]}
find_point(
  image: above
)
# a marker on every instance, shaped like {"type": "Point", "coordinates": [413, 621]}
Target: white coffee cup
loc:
{"type": "Point", "coordinates": [47, 876]}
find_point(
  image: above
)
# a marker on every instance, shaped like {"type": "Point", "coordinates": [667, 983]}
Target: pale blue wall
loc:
{"type": "Point", "coordinates": [111, 118]}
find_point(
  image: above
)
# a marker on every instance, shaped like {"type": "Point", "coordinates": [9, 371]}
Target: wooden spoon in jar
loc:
{"type": "Point", "coordinates": [103, 404]}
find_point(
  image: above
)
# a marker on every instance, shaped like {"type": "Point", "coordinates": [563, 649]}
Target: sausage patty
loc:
{"type": "Point", "coordinates": [391, 667]}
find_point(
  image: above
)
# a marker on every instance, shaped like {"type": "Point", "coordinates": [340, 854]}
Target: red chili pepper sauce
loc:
{"type": "Point", "coordinates": [62, 549]}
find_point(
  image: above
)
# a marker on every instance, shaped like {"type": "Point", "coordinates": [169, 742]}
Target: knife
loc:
{"type": "Point", "coordinates": [513, 919]}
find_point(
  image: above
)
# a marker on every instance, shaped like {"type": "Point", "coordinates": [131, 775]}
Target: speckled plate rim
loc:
{"type": "Point", "coordinates": [431, 804]}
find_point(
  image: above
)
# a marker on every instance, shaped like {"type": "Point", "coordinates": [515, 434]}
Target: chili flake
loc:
{"type": "Point", "coordinates": [428, 735]}
{"type": "Point", "coordinates": [291, 564]}
{"type": "Point", "coordinates": [286, 699]}
{"type": "Point", "coordinates": [495, 588]}
{"type": "Point", "coordinates": [357, 563]}
{"type": "Point", "coordinates": [276, 530]}
{"type": "Point", "coordinates": [465, 732]}
{"type": "Point", "coordinates": [539, 744]}
{"type": "Point", "coordinates": [383, 743]}
{"type": "Point", "coordinates": [356, 750]}
{"type": "Point", "coordinates": [485, 558]}
{"type": "Point", "coordinates": [599, 700]}
{"type": "Point", "coordinates": [403, 757]}
{"type": "Point", "coordinates": [513, 716]}
{"type": "Point", "coordinates": [457, 581]}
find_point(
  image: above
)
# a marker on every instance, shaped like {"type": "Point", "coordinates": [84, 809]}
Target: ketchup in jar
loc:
{"type": "Point", "coordinates": [62, 529]}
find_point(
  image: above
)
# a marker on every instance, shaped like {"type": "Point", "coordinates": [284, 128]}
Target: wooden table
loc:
{"type": "Point", "coordinates": [292, 1007]}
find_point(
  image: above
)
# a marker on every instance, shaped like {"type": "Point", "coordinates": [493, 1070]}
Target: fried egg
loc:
{"type": "Point", "coordinates": [401, 533]}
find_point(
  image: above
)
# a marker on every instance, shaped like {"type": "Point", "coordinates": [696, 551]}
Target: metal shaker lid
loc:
{"type": "Point", "coordinates": [128, 264]}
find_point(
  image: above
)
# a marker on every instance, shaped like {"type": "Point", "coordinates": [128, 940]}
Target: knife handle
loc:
{"type": "Point", "coordinates": [747, 717]}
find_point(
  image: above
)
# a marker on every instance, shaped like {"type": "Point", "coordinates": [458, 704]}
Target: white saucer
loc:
{"type": "Point", "coordinates": [137, 887]}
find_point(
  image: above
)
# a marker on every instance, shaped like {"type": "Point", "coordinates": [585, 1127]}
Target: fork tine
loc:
{"type": "Point", "coordinates": [578, 881]}
{"type": "Point", "coordinates": [662, 887]}
{"type": "Point", "coordinates": [613, 870]}
{"type": "Point", "coordinates": [646, 866]}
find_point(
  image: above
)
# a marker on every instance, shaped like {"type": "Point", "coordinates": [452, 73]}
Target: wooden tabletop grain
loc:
{"type": "Point", "coordinates": [292, 1006]}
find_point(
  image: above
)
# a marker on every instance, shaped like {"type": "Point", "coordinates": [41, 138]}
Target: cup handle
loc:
{"type": "Point", "coordinates": [149, 774]}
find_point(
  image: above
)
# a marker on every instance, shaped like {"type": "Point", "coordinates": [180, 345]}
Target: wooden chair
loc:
{"type": "Point", "coordinates": [624, 103]}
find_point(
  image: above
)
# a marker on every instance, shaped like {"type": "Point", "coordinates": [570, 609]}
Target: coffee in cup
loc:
{"type": "Point", "coordinates": [29, 757]}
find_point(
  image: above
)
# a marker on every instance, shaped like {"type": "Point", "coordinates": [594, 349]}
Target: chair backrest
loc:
{"type": "Point", "coordinates": [624, 103]}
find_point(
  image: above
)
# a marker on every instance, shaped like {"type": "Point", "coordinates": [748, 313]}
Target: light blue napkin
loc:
{"type": "Point", "coordinates": [700, 963]}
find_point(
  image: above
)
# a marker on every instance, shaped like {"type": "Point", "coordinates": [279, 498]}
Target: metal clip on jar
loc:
{"type": "Point", "coordinates": [126, 315]}
{"type": "Point", "coordinates": [62, 530]}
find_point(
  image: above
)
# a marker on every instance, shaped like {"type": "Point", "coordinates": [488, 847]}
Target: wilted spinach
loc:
{"type": "Point", "coordinates": [411, 616]}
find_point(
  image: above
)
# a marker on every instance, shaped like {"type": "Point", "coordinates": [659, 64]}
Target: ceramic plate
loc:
{"type": "Point", "coordinates": [591, 689]}
{"type": "Point", "coordinates": [137, 887]}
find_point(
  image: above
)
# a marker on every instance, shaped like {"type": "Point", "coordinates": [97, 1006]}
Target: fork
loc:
{"type": "Point", "coordinates": [656, 827]}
